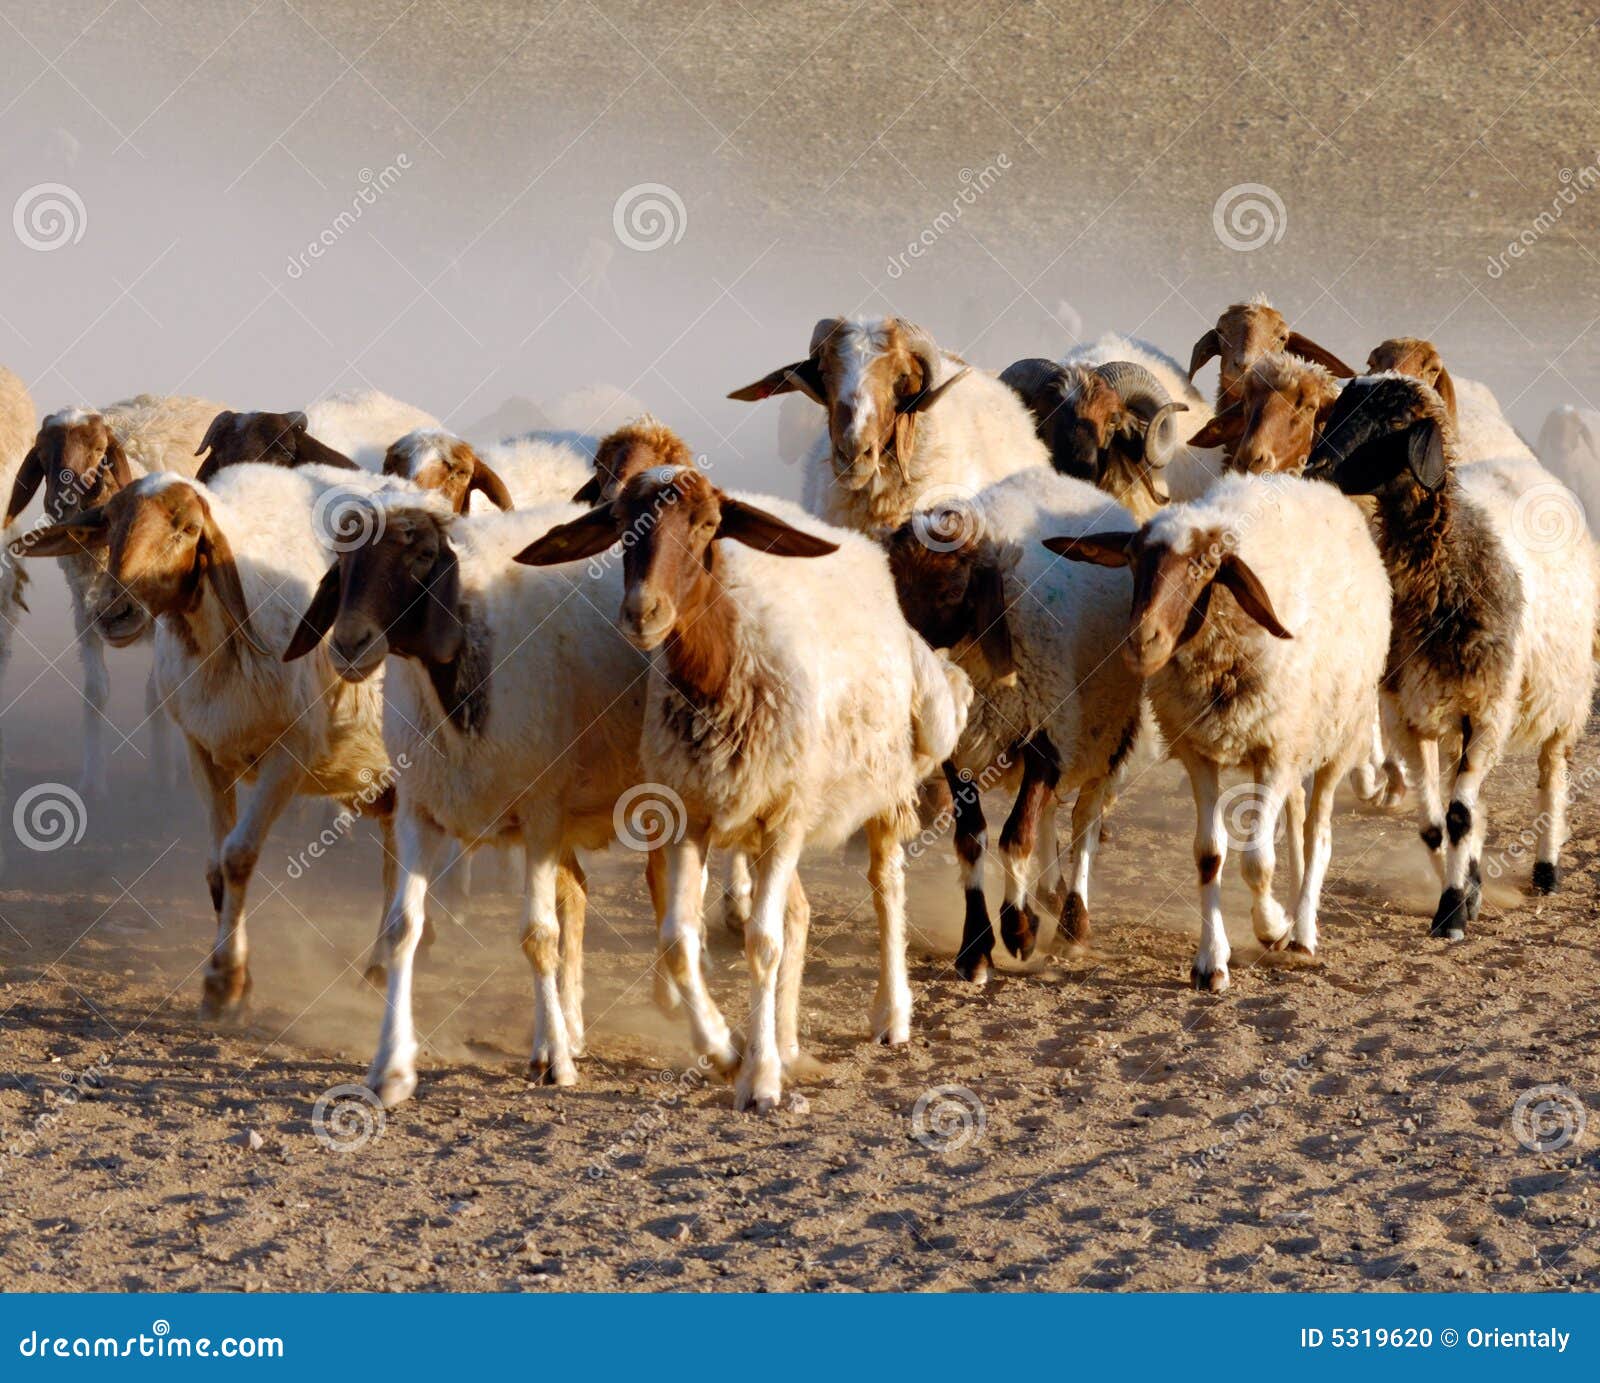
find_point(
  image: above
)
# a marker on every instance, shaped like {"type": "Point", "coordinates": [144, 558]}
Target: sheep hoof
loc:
{"type": "Point", "coordinates": [1277, 943]}
{"type": "Point", "coordinates": [1017, 930]}
{"type": "Point", "coordinates": [973, 968]}
{"type": "Point", "coordinates": [1209, 981]}
{"type": "Point", "coordinates": [550, 1071]}
{"type": "Point", "coordinates": [757, 1101]}
{"type": "Point", "coordinates": [1546, 877]}
{"type": "Point", "coordinates": [1300, 948]}
{"type": "Point", "coordinates": [1075, 919]}
{"type": "Point", "coordinates": [393, 1086]}
{"type": "Point", "coordinates": [801, 1065]}
{"type": "Point", "coordinates": [224, 994]}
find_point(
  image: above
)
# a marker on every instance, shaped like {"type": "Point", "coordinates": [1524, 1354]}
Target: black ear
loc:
{"type": "Point", "coordinates": [1425, 453]}
{"type": "Point", "coordinates": [30, 476]}
{"type": "Point", "coordinates": [573, 541]}
{"type": "Point", "coordinates": [318, 618]}
{"type": "Point", "coordinates": [768, 533]}
{"type": "Point", "coordinates": [442, 634]}
{"type": "Point", "coordinates": [1103, 549]}
{"type": "Point", "coordinates": [219, 424]}
{"type": "Point", "coordinates": [987, 591]}
{"type": "Point", "coordinates": [588, 492]}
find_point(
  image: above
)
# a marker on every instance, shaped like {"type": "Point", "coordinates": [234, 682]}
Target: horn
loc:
{"type": "Point", "coordinates": [1208, 347]}
{"type": "Point", "coordinates": [1161, 439]}
{"type": "Point", "coordinates": [921, 345]}
{"type": "Point", "coordinates": [1030, 379]}
{"type": "Point", "coordinates": [1140, 390]}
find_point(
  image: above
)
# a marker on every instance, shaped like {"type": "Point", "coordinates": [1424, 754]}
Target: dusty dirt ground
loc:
{"type": "Point", "coordinates": [1345, 1123]}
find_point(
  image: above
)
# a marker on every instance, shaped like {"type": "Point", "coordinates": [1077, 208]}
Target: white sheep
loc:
{"type": "Point", "coordinates": [788, 705]}
{"type": "Point", "coordinates": [361, 423]}
{"type": "Point", "coordinates": [1056, 710]}
{"type": "Point", "coordinates": [1261, 624]}
{"type": "Point", "coordinates": [226, 572]}
{"type": "Point", "coordinates": [81, 458]}
{"type": "Point", "coordinates": [507, 735]}
{"type": "Point", "coordinates": [1569, 448]}
{"type": "Point", "coordinates": [1495, 598]}
{"type": "Point", "coordinates": [908, 424]}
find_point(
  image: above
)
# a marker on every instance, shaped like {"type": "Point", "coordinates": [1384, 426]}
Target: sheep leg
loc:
{"type": "Point", "coordinates": [1555, 762]}
{"type": "Point", "coordinates": [736, 893]}
{"type": "Point", "coordinates": [96, 694]}
{"type": "Point", "coordinates": [1463, 876]}
{"type": "Point", "coordinates": [393, 1073]}
{"type": "Point", "coordinates": [1258, 858]}
{"type": "Point", "coordinates": [1210, 969]}
{"type": "Point", "coordinates": [791, 970]}
{"type": "Point", "coordinates": [1051, 880]}
{"type": "Point", "coordinates": [227, 978]}
{"type": "Point", "coordinates": [1422, 761]}
{"type": "Point", "coordinates": [886, 873]}
{"type": "Point", "coordinates": [655, 875]}
{"type": "Point", "coordinates": [217, 796]}
{"type": "Point", "coordinates": [163, 761]}
{"type": "Point", "coordinates": [760, 1083]}
{"type": "Point", "coordinates": [550, 1062]}
{"type": "Point", "coordinates": [1088, 812]}
{"type": "Point", "coordinates": [375, 971]}
{"type": "Point", "coordinates": [1019, 926]}
{"type": "Point", "coordinates": [1294, 816]}
{"type": "Point", "coordinates": [1367, 777]}
{"type": "Point", "coordinates": [572, 902]}
{"type": "Point", "coordinates": [977, 937]}
{"type": "Point", "coordinates": [1394, 767]}
{"type": "Point", "coordinates": [1318, 826]}
{"type": "Point", "coordinates": [680, 942]}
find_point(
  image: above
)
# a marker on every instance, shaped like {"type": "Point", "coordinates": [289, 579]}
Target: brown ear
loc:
{"type": "Point", "coordinates": [804, 377]}
{"type": "Point", "coordinates": [1224, 429]}
{"type": "Point", "coordinates": [571, 542]}
{"type": "Point", "coordinates": [765, 532]}
{"type": "Point", "coordinates": [318, 618]}
{"type": "Point", "coordinates": [222, 573]}
{"type": "Point", "coordinates": [442, 634]}
{"type": "Point", "coordinates": [905, 444]}
{"type": "Point", "coordinates": [1307, 349]}
{"type": "Point", "coordinates": [90, 529]}
{"type": "Point", "coordinates": [115, 461]}
{"type": "Point", "coordinates": [1208, 347]}
{"type": "Point", "coordinates": [1251, 594]}
{"type": "Point", "coordinates": [1103, 549]}
{"type": "Point", "coordinates": [487, 483]}
{"type": "Point", "coordinates": [1447, 391]}
{"type": "Point", "coordinates": [30, 476]}
{"type": "Point", "coordinates": [219, 424]}
{"type": "Point", "coordinates": [987, 590]}
{"type": "Point", "coordinates": [588, 492]}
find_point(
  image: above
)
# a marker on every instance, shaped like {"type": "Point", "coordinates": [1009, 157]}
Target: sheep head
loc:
{"type": "Point", "coordinates": [272, 439]}
{"type": "Point", "coordinates": [78, 460]}
{"type": "Point", "coordinates": [162, 548]}
{"type": "Point", "coordinates": [1172, 587]}
{"type": "Point", "coordinates": [1411, 355]}
{"type": "Point", "coordinates": [874, 379]}
{"type": "Point", "coordinates": [950, 582]}
{"type": "Point", "coordinates": [630, 451]}
{"type": "Point", "coordinates": [1245, 333]}
{"type": "Point", "coordinates": [442, 462]}
{"type": "Point", "coordinates": [1282, 403]}
{"type": "Point", "coordinates": [1387, 434]}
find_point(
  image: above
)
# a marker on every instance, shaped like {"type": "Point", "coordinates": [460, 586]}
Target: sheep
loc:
{"type": "Point", "coordinates": [907, 422]}
{"type": "Point", "coordinates": [1111, 424]}
{"type": "Point", "coordinates": [1495, 597]}
{"type": "Point", "coordinates": [1056, 712]}
{"type": "Point", "coordinates": [81, 459]}
{"type": "Point", "coordinates": [511, 738]}
{"type": "Point", "coordinates": [361, 423]}
{"type": "Point", "coordinates": [1260, 624]}
{"type": "Point", "coordinates": [17, 425]}
{"type": "Point", "coordinates": [1569, 450]}
{"type": "Point", "coordinates": [788, 704]}
{"type": "Point", "coordinates": [1482, 430]}
{"type": "Point", "coordinates": [1246, 332]}
{"type": "Point", "coordinates": [225, 572]}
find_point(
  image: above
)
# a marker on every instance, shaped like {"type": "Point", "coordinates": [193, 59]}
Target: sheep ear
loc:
{"type": "Point", "coordinates": [318, 618]}
{"type": "Point", "coordinates": [1251, 595]}
{"type": "Point", "coordinates": [90, 529]}
{"type": "Point", "coordinates": [116, 461]}
{"type": "Point", "coordinates": [1103, 549]}
{"type": "Point", "coordinates": [987, 590]}
{"type": "Point", "coordinates": [442, 634]}
{"type": "Point", "coordinates": [1208, 347]}
{"type": "Point", "coordinates": [222, 574]}
{"type": "Point", "coordinates": [925, 399]}
{"type": "Point", "coordinates": [765, 532]}
{"type": "Point", "coordinates": [219, 424]}
{"type": "Point", "coordinates": [804, 377]}
{"type": "Point", "coordinates": [1307, 349]}
{"type": "Point", "coordinates": [588, 492]}
{"type": "Point", "coordinates": [1224, 429]}
{"type": "Point", "coordinates": [1447, 391]}
{"type": "Point", "coordinates": [30, 476]}
{"type": "Point", "coordinates": [488, 484]}
{"type": "Point", "coordinates": [571, 542]}
{"type": "Point", "coordinates": [1425, 454]}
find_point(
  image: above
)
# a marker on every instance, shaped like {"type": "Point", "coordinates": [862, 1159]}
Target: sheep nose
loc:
{"type": "Point", "coordinates": [645, 613]}
{"type": "Point", "coordinates": [351, 648]}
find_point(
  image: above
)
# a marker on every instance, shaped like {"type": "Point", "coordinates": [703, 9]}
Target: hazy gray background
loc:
{"type": "Point", "coordinates": [209, 143]}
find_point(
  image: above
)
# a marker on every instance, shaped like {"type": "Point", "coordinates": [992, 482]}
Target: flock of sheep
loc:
{"type": "Point", "coordinates": [1047, 579]}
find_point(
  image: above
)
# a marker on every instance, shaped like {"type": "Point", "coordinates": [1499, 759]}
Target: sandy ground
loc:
{"type": "Point", "coordinates": [1346, 1123]}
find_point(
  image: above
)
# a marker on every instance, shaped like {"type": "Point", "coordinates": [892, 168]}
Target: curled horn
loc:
{"type": "Point", "coordinates": [214, 431]}
{"type": "Point", "coordinates": [1032, 379]}
{"type": "Point", "coordinates": [488, 483]}
{"type": "Point", "coordinates": [929, 356]}
{"type": "Point", "coordinates": [1147, 400]}
{"type": "Point", "coordinates": [1307, 349]}
{"type": "Point", "coordinates": [1208, 347]}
